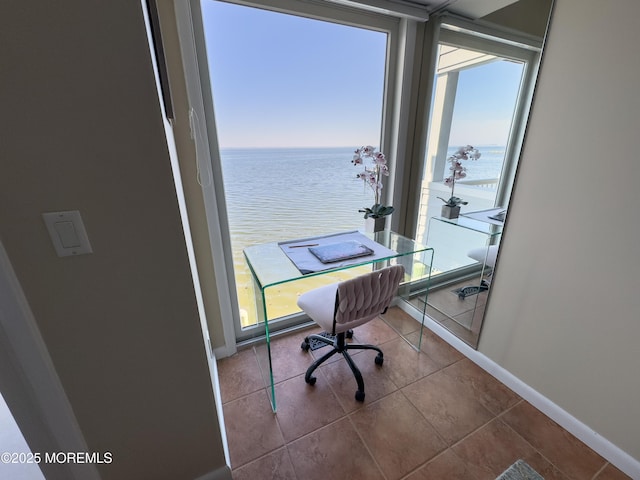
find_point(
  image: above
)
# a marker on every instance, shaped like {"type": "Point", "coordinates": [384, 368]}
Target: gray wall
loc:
{"type": "Point", "coordinates": [564, 314]}
{"type": "Point", "coordinates": [81, 129]}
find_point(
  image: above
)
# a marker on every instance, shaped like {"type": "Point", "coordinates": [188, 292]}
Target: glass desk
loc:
{"type": "Point", "coordinates": [270, 267]}
{"type": "Point", "coordinates": [459, 298]}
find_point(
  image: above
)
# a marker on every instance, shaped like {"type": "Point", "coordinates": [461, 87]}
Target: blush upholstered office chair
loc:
{"type": "Point", "coordinates": [340, 307]}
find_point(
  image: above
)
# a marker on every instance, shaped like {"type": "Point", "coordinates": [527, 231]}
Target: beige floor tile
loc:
{"type": "Point", "coordinates": [304, 408]}
{"type": "Point", "coordinates": [375, 332]}
{"type": "Point", "coordinates": [399, 438]}
{"type": "Point", "coordinates": [404, 365]}
{"type": "Point", "coordinates": [288, 359]}
{"type": "Point", "coordinates": [547, 470]}
{"type": "Point", "coordinates": [274, 466]}
{"type": "Point", "coordinates": [565, 451]}
{"type": "Point", "coordinates": [445, 466]}
{"type": "Point", "coordinates": [463, 333]}
{"type": "Point", "coordinates": [400, 321]}
{"type": "Point", "coordinates": [252, 429]}
{"type": "Point", "coordinates": [448, 302]}
{"type": "Point", "coordinates": [377, 383]}
{"type": "Point", "coordinates": [489, 392]}
{"type": "Point", "coordinates": [611, 473]}
{"type": "Point", "coordinates": [335, 451]}
{"type": "Point", "coordinates": [450, 406]}
{"type": "Point", "coordinates": [436, 348]}
{"type": "Point", "coordinates": [239, 375]}
{"type": "Point", "coordinates": [489, 451]}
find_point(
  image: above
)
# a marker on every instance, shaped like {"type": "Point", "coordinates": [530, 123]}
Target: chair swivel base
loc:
{"type": "Point", "coordinates": [340, 346]}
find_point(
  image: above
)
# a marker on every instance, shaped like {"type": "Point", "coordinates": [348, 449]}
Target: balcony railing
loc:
{"type": "Point", "coordinates": [488, 183]}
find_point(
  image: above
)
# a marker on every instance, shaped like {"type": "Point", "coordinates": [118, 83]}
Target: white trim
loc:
{"type": "Point", "coordinates": [30, 385]}
{"type": "Point", "coordinates": [213, 368]}
{"type": "Point", "coordinates": [613, 454]}
{"type": "Point", "coordinates": [396, 8]}
{"type": "Point", "coordinates": [189, 52]}
{"type": "Point", "coordinates": [222, 473]}
{"type": "Point", "coordinates": [491, 31]}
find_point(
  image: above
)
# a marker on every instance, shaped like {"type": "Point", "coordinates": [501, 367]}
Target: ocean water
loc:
{"type": "Point", "coordinates": [276, 194]}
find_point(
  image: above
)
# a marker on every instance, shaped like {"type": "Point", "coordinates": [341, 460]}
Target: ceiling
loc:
{"type": "Point", "coordinates": [422, 9]}
{"type": "Point", "coordinates": [468, 8]}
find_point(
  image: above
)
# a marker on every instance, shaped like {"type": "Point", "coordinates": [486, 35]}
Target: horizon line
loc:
{"type": "Point", "coordinates": [333, 146]}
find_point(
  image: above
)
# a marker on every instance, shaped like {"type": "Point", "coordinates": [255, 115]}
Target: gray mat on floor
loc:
{"type": "Point", "coordinates": [316, 344]}
{"type": "Point", "coordinates": [520, 471]}
{"type": "Point", "coordinates": [465, 292]}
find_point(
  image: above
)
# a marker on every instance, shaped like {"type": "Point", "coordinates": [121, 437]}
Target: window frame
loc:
{"type": "Point", "coordinates": [453, 30]}
{"type": "Point", "coordinates": [411, 52]}
{"type": "Point", "coordinates": [398, 27]}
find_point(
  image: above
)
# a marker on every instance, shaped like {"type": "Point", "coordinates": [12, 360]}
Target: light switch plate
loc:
{"type": "Point", "coordinates": [67, 232]}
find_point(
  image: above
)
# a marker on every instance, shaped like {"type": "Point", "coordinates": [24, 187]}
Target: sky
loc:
{"type": "Point", "coordinates": [484, 104]}
{"type": "Point", "coordinates": [285, 81]}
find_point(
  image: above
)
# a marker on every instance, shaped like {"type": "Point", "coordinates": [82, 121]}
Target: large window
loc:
{"type": "Point", "coordinates": [289, 89]}
{"type": "Point", "coordinates": [293, 98]}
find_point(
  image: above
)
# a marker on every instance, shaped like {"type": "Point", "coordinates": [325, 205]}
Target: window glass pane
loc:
{"type": "Point", "coordinates": [293, 98]}
{"type": "Point", "coordinates": [475, 98]}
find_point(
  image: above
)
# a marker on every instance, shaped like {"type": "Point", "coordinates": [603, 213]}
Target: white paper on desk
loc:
{"type": "Point", "coordinates": [298, 251]}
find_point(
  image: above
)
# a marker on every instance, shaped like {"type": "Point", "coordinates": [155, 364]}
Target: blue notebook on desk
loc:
{"type": "Point", "coordinates": [335, 252]}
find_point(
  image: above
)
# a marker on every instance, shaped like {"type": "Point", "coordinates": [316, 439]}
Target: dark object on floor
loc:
{"type": "Point", "coordinates": [486, 256]}
{"type": "Point", "coordinates": [465, 292]}
{"type": "Point", "coordinates": [520, 471]}
{"type": "Point", "coordinates": [315, 344]}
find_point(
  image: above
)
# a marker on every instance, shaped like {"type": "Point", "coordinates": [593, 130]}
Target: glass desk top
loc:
{"type": "Point", "coordinates": [270, 266]}
{"type": "Point", "coordinates": [472, 224]}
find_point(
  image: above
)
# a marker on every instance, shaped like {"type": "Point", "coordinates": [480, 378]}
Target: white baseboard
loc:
{"type": "Point", "coordinates": [213, 369]}
{"type": "Point", "coordinates": [222, 473]}
{"type": "Point", "coordinates": [613, 454]}
{"type": "Point", "coordinates": [224, 351]}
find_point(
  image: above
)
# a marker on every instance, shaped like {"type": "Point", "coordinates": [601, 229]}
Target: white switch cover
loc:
{"type": "Point", "coordinates": [67, 233]}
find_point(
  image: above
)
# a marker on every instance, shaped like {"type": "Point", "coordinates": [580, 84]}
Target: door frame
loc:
{"type": "Point", "coordinates": [30, 384]}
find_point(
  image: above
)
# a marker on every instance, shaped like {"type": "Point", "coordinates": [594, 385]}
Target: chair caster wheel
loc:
{"type": "Point", "coordinates": [359, 395]}
{"type": "Point", "coordinates": [305, 345]}
{"type": "Point", "coordinates": [310, 380]}
{"type": "Point", "coordinates": [349, 334]}
{"type": "Point", "coordinates": [379, 359]}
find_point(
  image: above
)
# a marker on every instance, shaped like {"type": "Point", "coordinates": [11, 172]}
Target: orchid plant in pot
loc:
{"type": "Point", "coordinates": [375, 216]}
{"type": "Point", "coordinates": [451, 207]}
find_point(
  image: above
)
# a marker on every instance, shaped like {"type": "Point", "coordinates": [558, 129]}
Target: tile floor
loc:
{"type": "Point", "coordinates": [427, 415]}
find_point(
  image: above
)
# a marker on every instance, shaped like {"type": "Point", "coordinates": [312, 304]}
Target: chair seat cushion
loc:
{"type": "Point", "coordinates": [320, 304]}
{"type": "Point", "coordinates": [490, 253]}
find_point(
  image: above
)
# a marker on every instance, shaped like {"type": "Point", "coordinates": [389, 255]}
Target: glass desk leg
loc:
{"type": "Point", "coordinates": [413, 294]}
{"type": "Point", "coordinates": [271, 389]}
{"type": "Point", "coordinates": [261, 312]}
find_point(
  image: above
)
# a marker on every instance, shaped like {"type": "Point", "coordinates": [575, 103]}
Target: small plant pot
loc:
{"type": "Point", "coordinates": [372, 225]}
{"type": "Point", "coordinates": [450, 212]}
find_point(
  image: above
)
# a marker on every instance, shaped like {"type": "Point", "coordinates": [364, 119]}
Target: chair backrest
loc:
{"type": "Point", "coordinates": [364, 297]}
